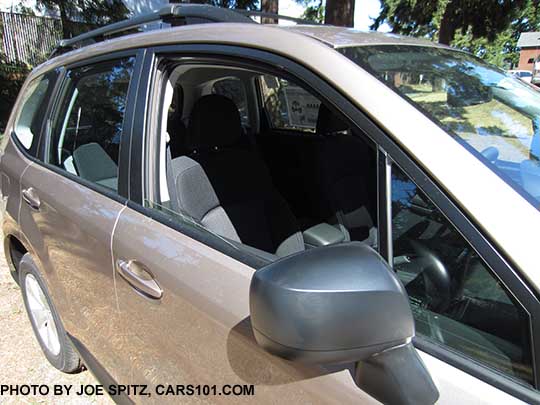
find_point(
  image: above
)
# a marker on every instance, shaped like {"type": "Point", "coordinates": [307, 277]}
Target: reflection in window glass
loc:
{"type": "Point", "coordinates": [289, 106]}
{"type": "Point", "coordinates": [489, 111]}
{"type": "Point", "coordinates": [233, 89]}
{"type": "Point", "coordinates": [456, 300]}
{"type": "Point", "coordinates": [30, 118]}
{"type": "Point", "coordinates": [88, 131]}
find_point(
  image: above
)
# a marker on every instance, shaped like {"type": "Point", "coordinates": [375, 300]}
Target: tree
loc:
{"type": "Point", "coordinates": [503, 50]}
{"type": "Point", "coordinates": [243, 4]}
{"type": "Point", "coordinates": [269, 6]}
{"type": "Point", "coordinates": [339, 12]}
{"type": "Point", "coordinates": [81, 15]}
{"type": "Point", "coordinates": [442, 19]}
{"type": "Point", "coordinates": [335, 12]}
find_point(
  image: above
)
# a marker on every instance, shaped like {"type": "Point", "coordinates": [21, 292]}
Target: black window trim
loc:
{"type": "Point", "coordinates": [487, 249]}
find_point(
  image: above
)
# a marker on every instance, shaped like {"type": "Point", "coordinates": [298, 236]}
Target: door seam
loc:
{"type": "Point", "coordinates": [112, 255]}
{"type": "Point", "coordinates": [20, 194]}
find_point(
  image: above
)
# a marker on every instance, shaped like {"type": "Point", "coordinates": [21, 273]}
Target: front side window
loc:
{"type": "Point", "coordinates": [31, 114]}
{"type": "Point", "coordinates": [457, 302]}
{"type": "Point", "coordinates": [88, 129]}
{"type": "Point", "coordinates": [492, 113]}
{"type": "Point", "coordinates": [289, 106]}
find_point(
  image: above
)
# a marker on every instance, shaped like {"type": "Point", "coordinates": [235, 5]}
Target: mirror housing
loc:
{"type": "Point", "coordinates": [329, 305]}
{"type": "Point", "coordinates": [342, 303]}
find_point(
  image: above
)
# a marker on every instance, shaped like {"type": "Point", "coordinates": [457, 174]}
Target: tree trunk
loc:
{"type": "Point", "coordinates": [66, 23]}
{"type": "Point", "coordinates": [269, 6]}
{"type": "Point", "coordinates": [447, 30]}
{"type": "Point", "coordinates": [339, 12]}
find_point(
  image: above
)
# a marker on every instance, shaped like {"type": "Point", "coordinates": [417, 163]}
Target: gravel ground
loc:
{"type": "Point", "coordinates": [21, 359]}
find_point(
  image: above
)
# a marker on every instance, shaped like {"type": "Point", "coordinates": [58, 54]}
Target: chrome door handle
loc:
{"type": "Point", "coordinates": [140, 278]}
{"type": "Point", "coordinates": [31, 198]}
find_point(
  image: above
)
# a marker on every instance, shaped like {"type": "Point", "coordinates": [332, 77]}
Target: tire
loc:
{"type": "Point", "coordinates": [48, 328]}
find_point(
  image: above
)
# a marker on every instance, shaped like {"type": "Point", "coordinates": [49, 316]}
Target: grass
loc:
{"type": "Point", "coordinates": [499, 125]}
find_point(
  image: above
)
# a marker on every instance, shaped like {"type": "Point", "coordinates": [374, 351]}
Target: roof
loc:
{"type": "Point", "coordinates": [238, 34]}
{"type": "Point", "coordinates": [341, 37]}
{"type": "Point", "coordinates": [529, 40]}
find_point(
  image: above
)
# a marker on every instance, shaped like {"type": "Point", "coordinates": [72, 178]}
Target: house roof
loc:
{"type": "Point", "coordinates": [529, 39]}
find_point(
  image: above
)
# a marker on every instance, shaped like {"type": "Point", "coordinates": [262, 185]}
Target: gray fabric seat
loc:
{"type": "Point", "coordinates": [236, 181]}
{"type": "Point", "coordinates": [94, 164]}
{"type": "Point", "coordinates": [342, 163]}
{"type": "Point", "coordinates": [196, 198]}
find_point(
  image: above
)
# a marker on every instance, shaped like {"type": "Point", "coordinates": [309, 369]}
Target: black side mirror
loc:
{"type": "Point", "coordinates": [342, 303]}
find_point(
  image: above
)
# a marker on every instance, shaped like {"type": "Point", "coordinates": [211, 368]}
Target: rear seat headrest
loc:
{"type": "Point", "coordinates": [214, 122]}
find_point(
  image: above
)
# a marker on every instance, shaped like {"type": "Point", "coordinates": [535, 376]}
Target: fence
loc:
{"type": "Point", "coordinates": [28, 39]}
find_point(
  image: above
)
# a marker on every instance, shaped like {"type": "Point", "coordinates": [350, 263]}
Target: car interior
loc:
{"type": "Point", "coordinates": [258, 160]}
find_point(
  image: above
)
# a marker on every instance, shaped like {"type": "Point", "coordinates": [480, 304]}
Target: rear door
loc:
{"type": "Point", "coordinates": [73, 195]}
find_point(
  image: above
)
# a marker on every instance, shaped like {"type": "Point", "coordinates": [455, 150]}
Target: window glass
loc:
{"type": "Point", "coordinates": [88, 130]}
{"type": "Point", "coordinates": [289, 106]}
{"type": "Point", "coordinates": [31, 114]}
{"type": "Point", "coordinates": [456, 300]}
{"type": "Point", "coordinates": [234, 89]}
{"type": "Point", "coordinates": [490, 112]}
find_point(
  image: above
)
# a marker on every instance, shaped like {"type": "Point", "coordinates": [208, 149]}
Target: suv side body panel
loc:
{"type": "Point", "coordinates": [12, 167]}
{"type": "Point", "coordinates": [70, 237]}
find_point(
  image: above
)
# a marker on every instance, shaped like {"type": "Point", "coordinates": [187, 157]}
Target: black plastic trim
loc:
{"type": "Point", "coordinates": [139, 127]}
{"type": "Point", "coordinates": [491, 377]}
{"type": "Point", "coordinates": [486, 248]}
{"type": "Point", "coordinates": [98, 371]}
{"type": "Point", "coordinates": [382, 212]}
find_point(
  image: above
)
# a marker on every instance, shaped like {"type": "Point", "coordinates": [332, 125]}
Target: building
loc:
{"type": "Point", "coordinates": [529, 45]}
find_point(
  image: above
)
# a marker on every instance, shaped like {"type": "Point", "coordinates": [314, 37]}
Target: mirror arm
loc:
{"type": "Point", "coordinates": [397, 376]}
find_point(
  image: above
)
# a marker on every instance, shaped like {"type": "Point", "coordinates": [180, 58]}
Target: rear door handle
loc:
{"type": "Point", "coordinates": [31, 198]}
{"type": "Point", "coordinates": [140, 278]}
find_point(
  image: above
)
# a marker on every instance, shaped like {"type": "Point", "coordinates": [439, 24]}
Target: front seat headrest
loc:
{"type": "Point", "coordinates": [214, 122]}
{"type": "Point", "coordinates": [328, 122]}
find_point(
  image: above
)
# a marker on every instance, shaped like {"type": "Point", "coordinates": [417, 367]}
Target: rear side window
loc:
{"type": "Point", "coordinates": [31, 114]}
{"type": "Point", "coordinates": [289, 106]}
{"type": "Point", "coordinates": [87, 131]}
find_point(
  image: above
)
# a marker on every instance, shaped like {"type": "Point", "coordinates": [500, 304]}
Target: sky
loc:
{"type": "Point", "coordinates": [365, 10]}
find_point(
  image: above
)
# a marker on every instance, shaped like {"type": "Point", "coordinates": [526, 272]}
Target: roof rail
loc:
{"type": "Point", "coordinates": [253, 13]}
{"type": "Point", "coordinates": [175, 14]}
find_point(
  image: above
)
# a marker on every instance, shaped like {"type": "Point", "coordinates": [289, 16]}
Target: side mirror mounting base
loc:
{"type": "Point", "coordinates": [397, 376]}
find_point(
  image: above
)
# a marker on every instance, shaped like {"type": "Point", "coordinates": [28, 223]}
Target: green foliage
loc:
{"type": "Point", "coordinates": [488, 30]}
{"type": "Point", "coordinates": [313, 10]}
{"type": "Point", "coordinates": [12, 77]}
{"type": "Point", "coordinates": [242, 4]}
{"type": "Point", "coordinates": [435, 18]}
{"type": "Point", "coordinates": [81, 15]}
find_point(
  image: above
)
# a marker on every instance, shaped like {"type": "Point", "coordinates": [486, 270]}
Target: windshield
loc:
{"type": "Point", "coordinates": [492, 113]}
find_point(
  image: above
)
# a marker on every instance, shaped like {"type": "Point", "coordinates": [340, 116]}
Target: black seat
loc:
{"type": "Point", "coordinates": [343, 169]}
{"type": "Point", "coordinates": [241, 180]}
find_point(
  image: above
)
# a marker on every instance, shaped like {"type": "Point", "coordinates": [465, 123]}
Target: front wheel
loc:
{"type": "Point", "coordinates": [45, 320]}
